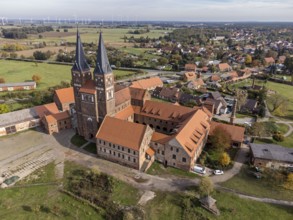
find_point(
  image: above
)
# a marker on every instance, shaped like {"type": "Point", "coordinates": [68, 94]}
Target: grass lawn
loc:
{"type": "Point", "coordinates": [283, 128]}
{"type": "Point", "coordinates": [159, 170]}
{"type": "Point", "coordinates": [91, 147]}
{"type": "Point", "coordinates": [288, 142]}
{"type": "Point", "coordinates": [44, 174]}
{"type": "Point", "coordinates": [245, 182]}
{"type": "Point", "coordinates": [51, 74]}
{"type": "Point", "coordinates": [78, 140]}
{"type": "Point", "coordinates": [169, 206]}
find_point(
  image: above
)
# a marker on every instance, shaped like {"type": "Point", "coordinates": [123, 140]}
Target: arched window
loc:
{"type": "Point", "coordinates": [158, 127]}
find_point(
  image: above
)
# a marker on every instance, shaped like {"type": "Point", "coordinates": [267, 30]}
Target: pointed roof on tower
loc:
{"type": "Point", "coordinates": [102, 65]}
{"type": "Point", "coordinates": [80, 63]}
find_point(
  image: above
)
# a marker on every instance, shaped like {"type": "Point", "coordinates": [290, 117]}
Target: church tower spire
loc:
{"type": "Point", "coordinates": [104, 80]}
{"type": "Point", "coordinates": [103, 65]}
{"type": "Point", "coordinates": [80, 63]}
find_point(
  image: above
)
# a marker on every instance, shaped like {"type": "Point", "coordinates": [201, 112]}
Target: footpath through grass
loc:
{"type": "Point", "coordinates": [245, 182]}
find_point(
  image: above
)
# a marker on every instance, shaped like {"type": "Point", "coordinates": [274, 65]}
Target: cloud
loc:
{"type": "Point", "coordinates": [192, 10]}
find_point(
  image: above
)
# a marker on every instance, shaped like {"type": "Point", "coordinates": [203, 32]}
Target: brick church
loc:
{"type": "Point", "coordinates": [128, 127]}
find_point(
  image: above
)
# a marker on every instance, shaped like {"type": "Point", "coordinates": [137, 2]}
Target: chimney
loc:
{"type": "Point", "coordinates": [233, 114]}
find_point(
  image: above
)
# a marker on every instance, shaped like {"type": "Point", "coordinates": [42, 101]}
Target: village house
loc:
{"type": "Point", "coordinates": [224, 67]}
{"type": "Point", "coordinates": [190, 67]}
{"type": "Point", "coordinates": [189, 76]}
{"type": "Point", "coordinates": [269, 61]}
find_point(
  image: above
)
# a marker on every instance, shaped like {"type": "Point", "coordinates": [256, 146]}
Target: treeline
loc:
{"type": "Point", "coordinates": [21, 33]}
{"type": "Point", "coordinates": [140, 31]}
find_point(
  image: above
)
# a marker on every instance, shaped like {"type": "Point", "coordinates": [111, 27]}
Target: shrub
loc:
{"type": "Point", "coordinates": [278, 137]}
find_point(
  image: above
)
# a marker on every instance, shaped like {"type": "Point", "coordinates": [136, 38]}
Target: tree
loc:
{"type": "Point", "coordinates": [220, 139]}
{"type": "Point", "coordinates": [162, 61]}
{"type": "Point", "coordinates": [258, 129]}
{"type": "Point", "coordinates": [289, 182]}
{"type": "Point", "coordinates": [206, 186]}
{"type": "Point", "coordinates": [241, 96]}
{"type": "Point", "coordinates": [4, 108]}
{"type": "Point", "coordinates": [248, 59]}
{"type": "Point", "coordinates": [36, 78]}
{"type": "Point", "coordinates": [289, 65]}
{"type": "Point", "coordinates": [225, 159]}
{"type": "Point", "coordinates": [2, 80]}
{"type": "Point", "coordinates": [279, 104]}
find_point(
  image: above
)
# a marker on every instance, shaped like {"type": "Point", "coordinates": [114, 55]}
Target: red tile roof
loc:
{"type": "Point", "coordinates": [147, 83]}
{"type": "Point", "coordinates": [121, 132]}
{"type": "Point", "coordinates": [236, 132]}
{"type": "Point", "coordinates": [125, 113]}
{"type": "Point", "coordinates": [65, 95]}
{"type": "Point", "coordinates": [57, 117]}
{"type": "Point", "coordinates": [46, 109]}
{"type": "Point", "coordinates": [122, 96]}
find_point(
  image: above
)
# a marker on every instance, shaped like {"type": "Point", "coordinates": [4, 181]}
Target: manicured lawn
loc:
{"type": "Point", "coordinates": [91, 147]}
{"type": "Point", "coordinates": [245, 182]}
{"type": "Point", "coordinates": [78, 140]}
{"type": "Point", "coordinates": [159, 170]}
{"type": "Point", "coordinates": [170, 206]}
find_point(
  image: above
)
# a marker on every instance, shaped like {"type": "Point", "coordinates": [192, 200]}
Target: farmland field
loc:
{"type": "Point", "coordinates": [51, 74]}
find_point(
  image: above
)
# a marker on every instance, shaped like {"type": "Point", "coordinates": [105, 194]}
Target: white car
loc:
{"type": "Point", "coordinates": [218, 172]}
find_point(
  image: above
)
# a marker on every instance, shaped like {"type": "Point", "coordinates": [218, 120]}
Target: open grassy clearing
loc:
{"type": "Point", "coordinates": [170, 206]}
{"type": "Point", "coordinates": [283, 128]}
{"type": "Point", "coordinates": [51, 74]}
{"type": "Point", "coordinates": [245, 182]}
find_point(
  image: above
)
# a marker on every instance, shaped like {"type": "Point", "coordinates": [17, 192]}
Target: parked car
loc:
{"type": "Point", "coordinates": [218, 172]}
{"type": "Point", "coordinates": [198, 169]}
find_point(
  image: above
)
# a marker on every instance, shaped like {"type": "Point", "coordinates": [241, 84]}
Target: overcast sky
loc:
{"type": "Point", "coordinates": [167, 10]}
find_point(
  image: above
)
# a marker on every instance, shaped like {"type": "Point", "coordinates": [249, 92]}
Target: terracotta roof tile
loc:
{"type": "Point", "coordinates": [165, 111]}
{"type": "Point", "coordinates": [46, 109]}
{"type": "Point", "coordinates": [122, 96]}
{"type": "Point", "coordinates": [65, 95]}
{"type": "Point", "coordinates": [125, 113]}
{"type": "Point", "coordinates": [224, 66]}
{"type": "Point", "coordinates": [193, 131]}
{"type": "Point", "coordinates": [236, 132]}
{"type": "Point", "coordinates": [269, 60]}
{"type": "Point", "coordinates": [147, 83]}
{"type": "Point", "coordinates": [137, 93]}
{"type": "Point", "coordinates": [150, 151]}
{"type": "Point", "coordinates": [190, 67]}
{"type": "Point", "coordinates": [57, 117]}
{"type": "Point", "coordinates": [88, 87]}
{"type": "Point", "coordinates": [131, 136]}
{"type": "Point", "coordinates": [161, 138]}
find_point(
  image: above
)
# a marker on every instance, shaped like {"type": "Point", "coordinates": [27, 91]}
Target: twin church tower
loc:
{"type": "Point", "coordinates": [93, 93]}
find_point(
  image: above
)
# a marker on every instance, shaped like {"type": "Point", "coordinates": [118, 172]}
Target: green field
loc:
{"type": "Point", "coordinates": [51, 74]}
{"type": "Point", "coordinates": [245, 182]}
{"type": "Point", "coordinates": [112, 36]}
